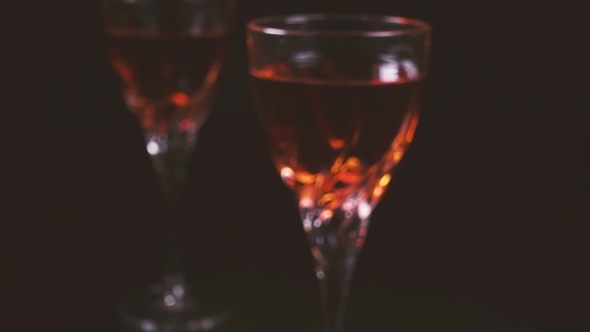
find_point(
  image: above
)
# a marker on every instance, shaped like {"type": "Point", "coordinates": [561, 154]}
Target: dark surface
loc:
{"type": "Point", "coordinates": [484, 228]}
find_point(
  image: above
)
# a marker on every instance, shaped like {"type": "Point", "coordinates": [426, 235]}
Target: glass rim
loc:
{"type": "Point", "coordinates": [419, 26]}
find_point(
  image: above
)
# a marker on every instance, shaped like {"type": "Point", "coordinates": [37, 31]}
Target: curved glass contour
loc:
{"type": "Point", "coordinates": [168, 56]}
{"type": "Point", "coordinates": [339, 98]}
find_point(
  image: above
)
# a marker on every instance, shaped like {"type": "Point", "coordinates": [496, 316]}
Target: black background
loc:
{"type": "Point", "coordinates": [484, 228]}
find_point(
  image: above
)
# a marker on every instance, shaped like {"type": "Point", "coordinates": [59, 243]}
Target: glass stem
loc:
{"type": "Point", "coordinates": [173, 280]}
{"type": "Point", "coordinates": [334, 287]}
{"type": "Point", "coordinates": [336, 237]}
{"type": "Point", "coordinates": [171, 167]}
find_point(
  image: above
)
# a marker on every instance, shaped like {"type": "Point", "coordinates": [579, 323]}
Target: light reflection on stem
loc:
{"type": "Point", "coordinates": [171, 161]}
{"type": "Point", "coordinates": [335, 237]}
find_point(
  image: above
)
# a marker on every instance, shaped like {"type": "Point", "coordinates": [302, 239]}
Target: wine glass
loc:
{"type": "Point", "coordinates": [338, 97]}
{"type": "Point", "coordinates": [168, 56]}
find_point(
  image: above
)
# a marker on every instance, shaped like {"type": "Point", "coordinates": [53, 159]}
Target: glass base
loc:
{"type": "Point", "coordinates": [147, 311]}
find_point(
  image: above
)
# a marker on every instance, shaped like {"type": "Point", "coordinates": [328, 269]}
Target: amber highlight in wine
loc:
{"type": "Point", "coordinates": [167, 78]}
{"type": "Point", "coordinates": [329, 137]}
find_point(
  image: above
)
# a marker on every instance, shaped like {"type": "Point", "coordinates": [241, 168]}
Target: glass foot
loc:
{"type": "Point", "coordinates": [152, 310]}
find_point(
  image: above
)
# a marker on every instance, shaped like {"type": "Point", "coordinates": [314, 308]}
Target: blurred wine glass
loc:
{"type": "Point", "coordinates": [168, 56]}
{"type": "Point", "coordinates": [339, 97]}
